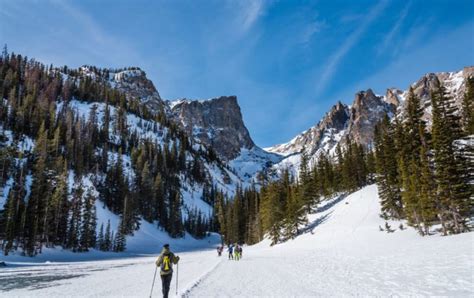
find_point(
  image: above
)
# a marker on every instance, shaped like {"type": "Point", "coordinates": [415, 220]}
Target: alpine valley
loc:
{"type": "Point", "coordinates": [95, 159]}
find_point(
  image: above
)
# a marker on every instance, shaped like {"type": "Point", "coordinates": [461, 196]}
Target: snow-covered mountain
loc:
{"type": "Point", "coordinates": [215, 123]}
{"type": "Point", "coordinates": [357, 121]}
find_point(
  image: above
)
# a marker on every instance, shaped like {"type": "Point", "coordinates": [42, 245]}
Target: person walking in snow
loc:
{"type": "Point", "coordinates": [165, 261]}
{"type": "Point", "coordinates": [237, 252]}
{"type": "Point", "coordinates": [231, 252]}
{"type": "Point", "coordinates": [219, 250]}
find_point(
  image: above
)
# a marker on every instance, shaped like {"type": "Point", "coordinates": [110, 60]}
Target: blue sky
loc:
{"type": "Point", "coordinates": [287, 61]}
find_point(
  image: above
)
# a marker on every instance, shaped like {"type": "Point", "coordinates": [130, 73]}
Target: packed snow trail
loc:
{"type": "Point", "coordinates": [341, 253]}
{"type": "Point", "coordinates": [346, 254]}
{"type": "Point", "coordinates": [111, 278]}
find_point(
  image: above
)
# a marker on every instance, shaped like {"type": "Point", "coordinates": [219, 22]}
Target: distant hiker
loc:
{"type": "Point", "coordinates": [240, 252]}
{"type": "Point", "coordinates": [231, 252]}
{"type": "Point", "coordinates": [219, 250]}
{"type": "Point", "coordinates": [237, 252]}
{"type": "Point", "coordinates": [165, 261]}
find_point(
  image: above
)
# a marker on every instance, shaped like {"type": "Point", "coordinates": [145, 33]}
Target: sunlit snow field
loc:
{"type": "Point", "coordinates": [341, 253]}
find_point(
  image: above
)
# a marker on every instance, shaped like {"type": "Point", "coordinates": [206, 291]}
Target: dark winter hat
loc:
{"type": "Point", "coordinates": [166, 245]}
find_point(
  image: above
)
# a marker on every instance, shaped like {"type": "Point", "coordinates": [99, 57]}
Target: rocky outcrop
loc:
{"type": "Point", "coordinates": [215, 122]}
{"type": "Point", "coordinates": [135, 84]}
{"type": "Point", "coordinates": [132, 81]}
{"type": "Point", "coordinates": [394, 96]}
{"type": "Point", "coordinates": [323, 135]}
{"type": "Point", "coordinates": [454, 82]}
{"type": "Point", "coordinates": [367, 110]}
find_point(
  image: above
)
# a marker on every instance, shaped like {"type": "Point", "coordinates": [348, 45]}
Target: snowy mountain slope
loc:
{"type": "Point", "coordinates": [252, 161]}
{"type": "Point", "coordinates": [131, 81]}
{"type": "Point", "coordinates": [357, 121]}
{"type": "Point", "coordinates": [162, 167]}
{"type": "Point", "coordinates": [342, 253]}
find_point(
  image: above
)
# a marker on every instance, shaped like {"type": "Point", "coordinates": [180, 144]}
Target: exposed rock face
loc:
{"type": "Point", "coordinates": [135, 83]}
{"type": "Point", "coordinates": [454, 82]}
{"type": "Point", "coordinates": [367, 110]}
{"type": "Point", "coordinates": [326, 133]}
{"type": "Point", "coordinates": [394, 96]}
{"type": "Point", "coordinates": [216, 122]}
{"type": "Point", "coordinates": [132, 81]}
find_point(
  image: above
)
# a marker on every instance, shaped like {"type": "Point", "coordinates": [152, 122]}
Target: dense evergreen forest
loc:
{"type": "Point", "coordinates": [44, 207]}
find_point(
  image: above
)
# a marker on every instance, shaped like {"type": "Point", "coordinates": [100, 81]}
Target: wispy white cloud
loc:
{"type": "Point", "coordinates": [334, 60]}
{"type": "Point", "coordinates": [389, 37]}
{"type": "Point", "coordinates": [251, 11]}
{"type": "Point", "coordinates": [310, 30]}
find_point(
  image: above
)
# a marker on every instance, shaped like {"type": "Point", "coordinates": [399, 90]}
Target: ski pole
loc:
{"type": "Point", "coordinates": [177, 272]}
{"type": "Point", "coordinates": [153, 284]}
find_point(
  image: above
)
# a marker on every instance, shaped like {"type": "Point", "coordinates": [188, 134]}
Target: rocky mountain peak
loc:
{"type": "Point", "coordinates": [394, 96]}
{"type": "Point", "coordinates": [423, 87]}
{"type": "Point", "coordinates": [323, 135]}
{"type": "Point", "coordinates": [367, 110]}
{"type": "Point", "coordinates": [135, 83]}
{"type": "Point", "coordinates": [216, 122]}
{"type": "Point", "coordinates": [131, 80]}
{"type": "Point", "coordinates": [336, 117]}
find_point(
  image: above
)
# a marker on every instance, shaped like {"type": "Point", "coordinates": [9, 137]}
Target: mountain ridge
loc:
{"type": "Point", "coordinates": [365, 111]}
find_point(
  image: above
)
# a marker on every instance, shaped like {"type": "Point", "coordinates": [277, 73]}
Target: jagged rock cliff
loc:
{"type": "Point", "coordinates": [215, 122]}
{"type": "Point", "coordinates": [367, 110]}
{"type": "Point", "coordinates": [324, 134]}
{"type": "Point", "coordinates": [357, 122]}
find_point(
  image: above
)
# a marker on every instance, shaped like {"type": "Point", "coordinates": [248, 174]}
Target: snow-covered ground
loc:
{"type": "Point", "coordinates": [341, 253]}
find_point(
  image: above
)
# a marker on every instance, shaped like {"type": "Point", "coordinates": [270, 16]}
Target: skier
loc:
{"type": "Point", "coordinates": [165, 261]}
{"type": "Point", "coordinates": [231, 251]}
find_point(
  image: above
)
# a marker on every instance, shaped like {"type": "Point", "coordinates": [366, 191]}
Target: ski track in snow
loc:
{"type": "Point", "coordinates": [346, 256]}
{"type": "Point", "coordinates": [342, 253]}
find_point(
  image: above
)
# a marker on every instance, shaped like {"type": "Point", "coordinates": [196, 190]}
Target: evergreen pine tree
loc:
{"type": "Point", "coordinates": [108, 238]}
{"type": "Point", "coordinates": [453, 193]}
{"type": "Point", "coordinates": [100, 238]}
{"type": "Point", "coordinates": [468, 107]}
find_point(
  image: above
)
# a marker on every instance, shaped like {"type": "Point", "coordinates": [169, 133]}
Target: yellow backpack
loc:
{"type": "Point", "coordinates": [166, 263]}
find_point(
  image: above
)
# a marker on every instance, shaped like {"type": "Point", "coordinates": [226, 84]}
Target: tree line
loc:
{"type": "Point", "coordinates": [280, 207]}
